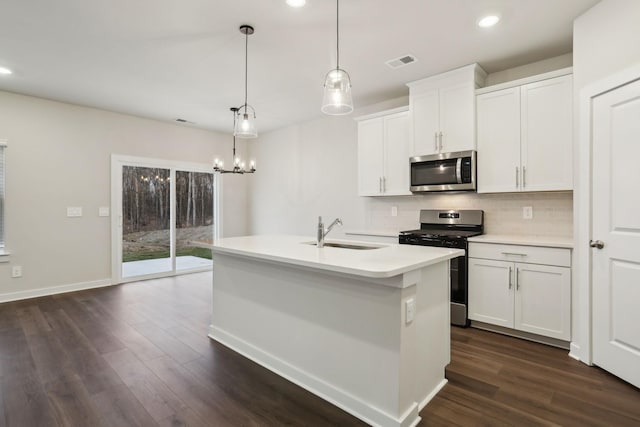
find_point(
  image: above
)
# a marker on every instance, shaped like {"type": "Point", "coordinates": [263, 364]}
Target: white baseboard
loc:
{"type": "Point", "coordinates": [574, 351]}
{"type": "Point", "coordinates": [431, 395]}
{"type": "Point", "coordinates": [317, 386]}
{"type": "Point", "coordinates": [43, 292]}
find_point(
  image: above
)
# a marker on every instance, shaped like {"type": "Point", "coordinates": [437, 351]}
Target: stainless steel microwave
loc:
{"type": "Point", "coordinates": [454, 171]}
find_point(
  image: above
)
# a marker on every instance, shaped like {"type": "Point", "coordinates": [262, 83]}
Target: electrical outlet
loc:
{"type": "Point", "coordinates": [16, 271]}
{"type": "Point", "coordinates": [103, 211]}
{"type": "Point", "coordinates": [410, 310]}
{"type": "Point", "coordinates": [527, 212]}
{"type": "Point", "coordinates": [394, 211]}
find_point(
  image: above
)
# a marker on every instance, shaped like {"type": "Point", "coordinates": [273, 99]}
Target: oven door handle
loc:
{"type": "Point", "coordinates": [459, 170]}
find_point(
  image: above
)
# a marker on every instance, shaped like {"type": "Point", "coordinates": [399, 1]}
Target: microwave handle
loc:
{"type": "Point", "coordinates": [459, 170]}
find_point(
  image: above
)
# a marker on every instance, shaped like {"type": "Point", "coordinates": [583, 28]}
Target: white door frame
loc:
{"type": "Point", "coordinates": [582, 343]}
{"type": "Point", "coordinates": [117, 162]}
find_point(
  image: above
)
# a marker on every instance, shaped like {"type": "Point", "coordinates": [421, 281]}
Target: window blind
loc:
{"type": "Point", "coordinates": [3, 147]}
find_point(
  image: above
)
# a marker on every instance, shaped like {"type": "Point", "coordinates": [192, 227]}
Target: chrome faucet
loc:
{"type": "Point", "coordinates": [322, 232]}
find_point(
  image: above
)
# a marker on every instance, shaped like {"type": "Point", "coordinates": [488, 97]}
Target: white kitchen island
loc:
{"type": "Point", "coordinates": [339, 322]}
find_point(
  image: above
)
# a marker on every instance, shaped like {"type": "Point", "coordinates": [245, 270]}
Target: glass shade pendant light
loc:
{"type": "Point", "coordinates": [238, 165]}
{"type": "Point", "coordinates": [337, 83]}
{"type": "Point", "coordinates": [245, 126]}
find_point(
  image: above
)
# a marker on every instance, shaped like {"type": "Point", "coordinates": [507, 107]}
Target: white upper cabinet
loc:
{"type": "Point", "coordinates": [442, 111]}
{"type": "Point", "coordinates": [525, 135]}
{"type": "Point", "coordinates": [547, 135]}
{"type": "Point", "coordinates": [383, 153]}
{"type": "Point", "coordinates": [499, 141]}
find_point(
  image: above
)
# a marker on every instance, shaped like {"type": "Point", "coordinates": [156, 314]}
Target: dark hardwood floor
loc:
{"type": "Point", "coordinates": [138, 355]}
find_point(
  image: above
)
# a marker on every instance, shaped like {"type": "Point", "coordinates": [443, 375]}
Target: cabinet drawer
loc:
{"type": "Point", "coordinates": [516, 253]}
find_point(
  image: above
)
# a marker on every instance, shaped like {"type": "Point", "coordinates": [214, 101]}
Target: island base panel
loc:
{"type": "Point", "coordinates": [344, 338]}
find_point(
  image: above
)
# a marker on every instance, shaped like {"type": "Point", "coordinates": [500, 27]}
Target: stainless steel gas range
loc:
{"type": "Point", "coordinates": [449, 229]}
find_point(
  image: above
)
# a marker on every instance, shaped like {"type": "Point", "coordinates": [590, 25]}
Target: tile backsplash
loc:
{"type": "Point", "coordinates": [552, 212]}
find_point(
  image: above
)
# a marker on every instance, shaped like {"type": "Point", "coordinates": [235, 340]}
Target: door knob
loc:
{"type": "Point", "coordinates": [596, 244]}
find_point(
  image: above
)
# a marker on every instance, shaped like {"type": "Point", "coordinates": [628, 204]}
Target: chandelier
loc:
{"type": "Point", "coordinates": [238, 164]}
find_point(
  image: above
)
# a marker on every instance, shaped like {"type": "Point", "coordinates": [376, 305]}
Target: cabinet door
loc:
{"type": "Point", "coordinates": [547, 135]}
{"type": "Point", "coordinates": [425, 122]}
{"type": "Point", "coordinates": [457, 117]}
{"type": "Point", "coordinates": [542, 301]}
{"type": "Point", "coordinates": [491, 291]}
{"type": "Point", "coordinates": [370, 156]}
{"type": "Point", "coordinates": [396, 155]}
{"type": "Point", "coordinates": [499, 141]}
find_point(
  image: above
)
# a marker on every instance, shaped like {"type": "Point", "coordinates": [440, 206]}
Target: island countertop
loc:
{"type": "Point", "coordinates": [386, 260]}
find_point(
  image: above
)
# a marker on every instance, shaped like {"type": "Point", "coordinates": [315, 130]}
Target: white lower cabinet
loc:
{"type": "Point", "coordinates": [507, 289]}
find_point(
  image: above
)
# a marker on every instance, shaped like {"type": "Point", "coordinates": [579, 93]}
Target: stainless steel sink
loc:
{"type": "Point", "coordinates": [345, 245]}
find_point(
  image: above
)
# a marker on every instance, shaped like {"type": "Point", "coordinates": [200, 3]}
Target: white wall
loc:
{"type": "Point", "coordinates": [539, 67]}
{"type": "Point", "coordinates": [605, 40]}
{"type": "Point", "coordinates": [59, 155]}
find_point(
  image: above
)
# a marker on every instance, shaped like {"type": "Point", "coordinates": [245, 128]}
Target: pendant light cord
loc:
{"type": "Point", "coordinates": [246, 67]}
{"type": "Point", "coordinates": [337, 34]}
{"type": "Point", "coordinates": [234, 136]}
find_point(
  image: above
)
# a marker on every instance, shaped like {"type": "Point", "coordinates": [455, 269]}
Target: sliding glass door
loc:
{"type": "Point", "coordinates": [194, 219]}
{"type": "Point", "coordinates": [146, 231]}
{"type": "Point", "coordinates": [164, 220]}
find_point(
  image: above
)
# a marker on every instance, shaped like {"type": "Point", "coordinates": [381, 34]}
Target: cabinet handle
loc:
{"type": "Point", "coordinates": [435, 141]}
{"type": "Point", "coordinates": [510, 283]}
{"type": "Point", "coordinates": [524, 176]}
{"type": "Point", "coordinates": [440, 141]}
{"type": "Point", "coordinates": [514, 253]}
{"type": "Point", "coordinates": [384, 184]}
{"type": "Point", "coordinates": [517, 177]}
{"type": "Point", "coordinates": [380, 184]}
{"type": "Point", "coordinates": [517, 279]}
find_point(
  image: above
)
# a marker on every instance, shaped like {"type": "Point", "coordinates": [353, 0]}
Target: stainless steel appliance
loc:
{"type": "Point", "coordinates": [454, 171]}
{"type": "Point", "coordinates": [450, 229]}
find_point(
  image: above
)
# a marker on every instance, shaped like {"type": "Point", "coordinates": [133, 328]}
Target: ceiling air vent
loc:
{"type": "Point", "coordinates": [402, 61]}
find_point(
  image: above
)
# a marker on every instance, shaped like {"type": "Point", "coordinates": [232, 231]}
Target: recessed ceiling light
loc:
{"type": "Point", "coordinates": [5, 71]}
{"type": "Point", "coordinates": [296, 3]}
{"type": "Point", "coordinates": [488, 21]}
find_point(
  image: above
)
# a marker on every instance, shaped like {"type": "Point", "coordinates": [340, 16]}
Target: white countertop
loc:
{"type": "Point", "coordinates": [546, 241]}
{"type": "Point", "coordinates": [387, 260]}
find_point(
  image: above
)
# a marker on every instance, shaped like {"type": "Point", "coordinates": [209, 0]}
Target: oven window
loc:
{"type": "Point", "coordinates": [434, 172]}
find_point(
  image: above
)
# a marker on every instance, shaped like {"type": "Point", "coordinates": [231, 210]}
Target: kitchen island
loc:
{"type": "Point", "coordinates": [366, 329]}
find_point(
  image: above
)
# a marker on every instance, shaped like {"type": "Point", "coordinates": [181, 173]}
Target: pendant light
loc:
{"type": "Point", "coordinates": [337, 84]}
{"type": "Point", "coordinates": [238, 165]}
{"type": "Point", "coordinates": [245, 124]}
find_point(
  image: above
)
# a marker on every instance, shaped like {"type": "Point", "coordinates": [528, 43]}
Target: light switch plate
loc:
{"type": "Point", "coordinates": [394, 211]}
{"type": "Point", "coordinates": [74, 211]}
{"type": "Point", "coordinates": [527, 212]}
{"type": "Point", "coordinates": [103, 211]}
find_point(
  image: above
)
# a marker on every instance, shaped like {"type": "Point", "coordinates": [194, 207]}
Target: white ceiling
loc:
{"type": "Point", "coordinates": [169, 59]}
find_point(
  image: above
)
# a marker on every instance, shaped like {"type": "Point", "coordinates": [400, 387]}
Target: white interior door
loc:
{"type": "Point", "coordinates": [616, 223]}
